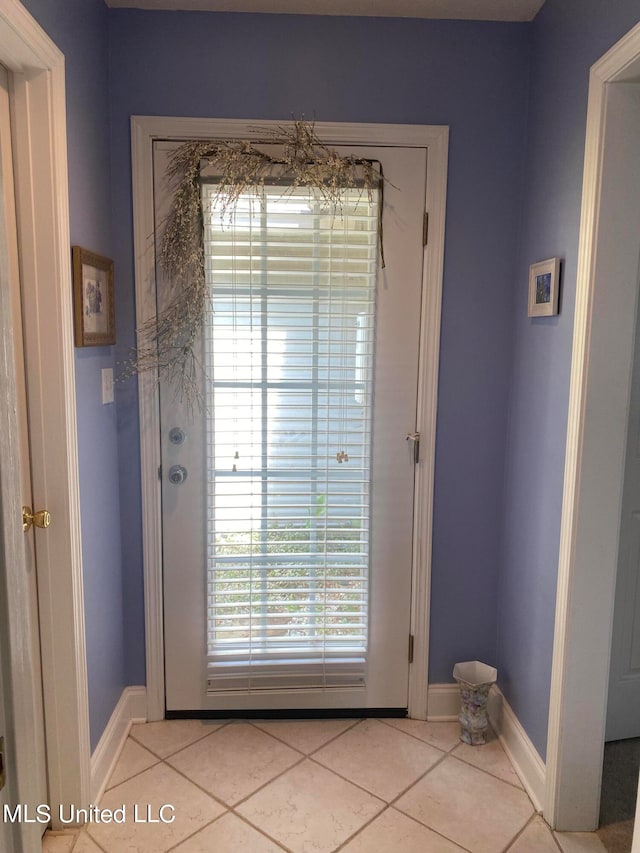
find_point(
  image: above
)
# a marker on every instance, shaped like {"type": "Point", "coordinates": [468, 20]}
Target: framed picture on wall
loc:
{"type": "Point", "coordinates": [93, 299]}
{"type": "Point", "coordinates": [544, 279]}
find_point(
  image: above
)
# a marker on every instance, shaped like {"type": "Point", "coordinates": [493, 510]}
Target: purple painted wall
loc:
{"type": "Point", "coordinates": [568, 36]}
{"type": "Point", "coordinates": [81, 34]}
{"type": "Point", "coordinates": [470, 76]}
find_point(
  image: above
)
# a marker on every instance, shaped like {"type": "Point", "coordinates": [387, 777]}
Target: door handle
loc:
{"type": "Point", "coordinates": [177, 474]}
{"type": "Point", "coordinates": [40, 519]}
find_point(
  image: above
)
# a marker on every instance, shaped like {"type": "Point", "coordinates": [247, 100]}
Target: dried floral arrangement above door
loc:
{"type": "Point", "coordinates": [293, 156]}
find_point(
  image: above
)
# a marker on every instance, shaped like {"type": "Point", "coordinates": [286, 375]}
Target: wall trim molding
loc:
{"type": "Point", "coordinates": [444, 703]}
{"type": "Point", "coordinates": [144, 130]}
{"type": "Point", "coordinates": [521, 752]}
{"type": "Point", "coordinates": [131, 708]}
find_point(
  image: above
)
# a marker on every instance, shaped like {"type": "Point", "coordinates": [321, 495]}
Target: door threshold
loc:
{"type": "Point", "coordinates": [287, 714]}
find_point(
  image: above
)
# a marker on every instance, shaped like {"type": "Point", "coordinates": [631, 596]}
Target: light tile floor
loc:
{"type": "Point", "coordinates": [359, 786]}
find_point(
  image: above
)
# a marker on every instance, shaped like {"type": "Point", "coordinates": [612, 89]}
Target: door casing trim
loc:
{"type": "Point", "coordinates": [42, 201]}
{"type": "Point", "coordinates": [589, 535]}
{"type": "Point", "coordinates": [146, 129]}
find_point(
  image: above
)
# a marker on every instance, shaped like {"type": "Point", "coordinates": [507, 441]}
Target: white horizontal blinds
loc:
{"type": "Point", "coordinates": [289, 343]}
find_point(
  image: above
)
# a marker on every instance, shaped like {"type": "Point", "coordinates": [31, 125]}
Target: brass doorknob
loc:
{"type": "Point", "coordinates": [40, 519]}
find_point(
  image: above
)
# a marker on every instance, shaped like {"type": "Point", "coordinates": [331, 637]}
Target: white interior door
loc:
{"type": "Point", "coordinates": [32, 778]}
{"type": "Point", "coordinates": [287, 498]}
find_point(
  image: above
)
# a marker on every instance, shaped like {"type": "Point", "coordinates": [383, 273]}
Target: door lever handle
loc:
{"type": "Point", "coordinates": [40, 519]}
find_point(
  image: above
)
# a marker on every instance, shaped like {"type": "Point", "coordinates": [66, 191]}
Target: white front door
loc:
{"type": "Point", "coordinates": [287, 496]}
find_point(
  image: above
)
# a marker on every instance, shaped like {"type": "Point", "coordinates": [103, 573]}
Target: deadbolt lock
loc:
{"type": "Point", "coordinates": [40, 519]}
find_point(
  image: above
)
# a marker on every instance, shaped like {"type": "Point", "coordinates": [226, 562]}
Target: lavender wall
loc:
{"type": "Point", "coordinates": [81, 33]}
{"type": "Point", "coordinates": [470, 76]}
{"type": "Point", "coordinates": [568, 36]}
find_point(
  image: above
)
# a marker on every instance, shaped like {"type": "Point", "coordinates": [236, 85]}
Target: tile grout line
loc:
{"type": "Point", "coordinates": [175, 752]}
{"type": "Point", "coordinates": [489, 773]}
{"type": "Point", "coordinates": [200, 829]}
{"type": "Point", "coordinates": [436, 831]}
{"type": "Point", "coordinates": [218, 799]}
{"type": "Point", "coordinates": [554, 835]}
{"type": "Point", "coordinates": [415, 737]}
{"type": "Point", "coordinates": [133, 776]}
{"type": "Point", "coordinates": [519, 833]}
{"type": "Point", "coordinates": [262, 832]}
{"type": "Point", "coordinates": [333, 739]}
{"type": "Point", "coordinates": [362, 829]}
{"type": "Point", "coordinates": [526, 826]}
{"type": "Point", "coordinates": [74, 843]}
{"type": "Point", "coordinates": [99, 846]}
{"type": "Point", "coordinates": [493, 776]}
{"type": "Point", "coordinates": [355, 723]}
{"type": "Point", "coordinates": [393, 803]}
{"type": "Point", "coordinates": [199, 787]}
{"type": "Point", "coordinates": [264, 785]}
{"type": "Point", "coordinates": [348, 781]}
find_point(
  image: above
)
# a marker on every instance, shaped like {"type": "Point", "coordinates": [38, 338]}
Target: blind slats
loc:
{"type": "Point", "coordinates": [289, 348]}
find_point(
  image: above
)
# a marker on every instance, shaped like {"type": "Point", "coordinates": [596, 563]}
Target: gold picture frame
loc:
{"type": "Point", "coordinates": [93, 299]}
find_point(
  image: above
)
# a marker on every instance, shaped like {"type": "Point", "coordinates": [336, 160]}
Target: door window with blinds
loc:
{"type": "Point", "coordinates": [289, 365]}
{"type": "Point", "coordinates": [287, 496]}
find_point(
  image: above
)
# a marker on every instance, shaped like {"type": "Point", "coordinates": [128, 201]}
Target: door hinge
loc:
{"type": "Point", "coordinates": [425, 228]}
{"type": "Point", "coordinates": [160, 472]}
{"type": "Point", "coordinates": [414, 438]}
{"type": "Point", "coordinates": [410, 648]}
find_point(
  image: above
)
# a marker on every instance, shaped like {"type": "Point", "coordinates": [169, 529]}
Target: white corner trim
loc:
{"type": "Point", "coordinates": [144, 130]}
{"type": "Point", "coordinates": [131, 708]}
{"type": "Point", "coordinates": [522, 754]}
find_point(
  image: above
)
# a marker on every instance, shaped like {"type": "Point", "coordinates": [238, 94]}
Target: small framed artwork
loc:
{"type": "Point", "coordinates": [93, 298]}
{"type": "Point", "coordinates": [543, 288]}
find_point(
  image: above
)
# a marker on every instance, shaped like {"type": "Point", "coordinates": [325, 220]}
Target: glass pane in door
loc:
{"type": "Point", "coordinates": [289, 350]}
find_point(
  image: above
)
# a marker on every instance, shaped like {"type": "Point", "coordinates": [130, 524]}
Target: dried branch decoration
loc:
{"type": "Point", "coordinates": [166, 342]}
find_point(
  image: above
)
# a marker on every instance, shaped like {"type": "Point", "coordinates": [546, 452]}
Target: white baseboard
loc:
{"type": "Point", "coordinates": [131, 708]}
{"type": "Point", "coordinates": [521, 752]}
{"type": "Point", "coordinates": [443, 703]}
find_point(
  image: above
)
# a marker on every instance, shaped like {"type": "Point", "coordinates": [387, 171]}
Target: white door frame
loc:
{"type": "Point", "coordinates": [42, 200]}
{"type": "Point", "coordinates": [144, 130]}
{"type": "Point", "coordinates": [602, 357]}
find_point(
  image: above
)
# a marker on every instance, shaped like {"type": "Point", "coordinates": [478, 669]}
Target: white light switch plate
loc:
{"type": "Point", "coordinates": [107, 385]}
